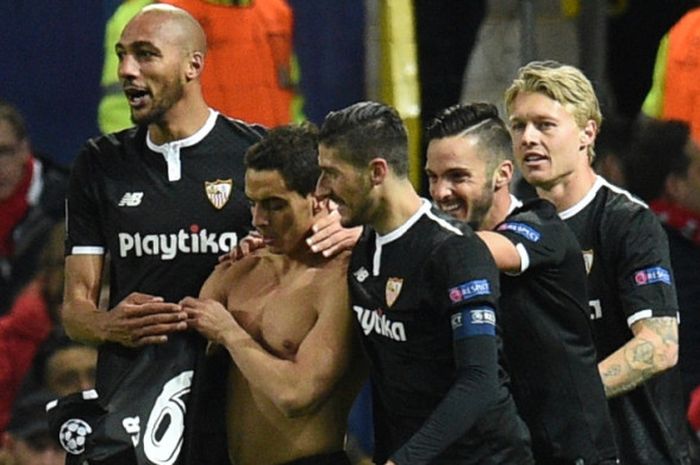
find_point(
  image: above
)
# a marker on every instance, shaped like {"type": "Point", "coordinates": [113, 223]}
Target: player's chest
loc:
{"type": "Point", "coordinates": [396, 305]}
{"type": "Point", "coordinates": [279, 317]}
{"type": "Point", "coordinates": [206, 196]}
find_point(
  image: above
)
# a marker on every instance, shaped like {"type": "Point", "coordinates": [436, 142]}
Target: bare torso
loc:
{"type": "Point", "coordinates": [276, 302]}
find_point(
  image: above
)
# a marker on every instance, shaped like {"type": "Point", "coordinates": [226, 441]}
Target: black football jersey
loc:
{"type": "Point", "coordinates": [548, 343]}
{"type": "Point", "coordinates": [163, 214]}
{"type": "Point", "coordinates": [626, 254]}
{"type": "Point", "coordinates": [415, 291]}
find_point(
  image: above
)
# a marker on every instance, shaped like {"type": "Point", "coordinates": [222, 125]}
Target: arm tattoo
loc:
{"type": "Point", "coordinates": [641, 357]}
{"type": "Point", "coordinates": [665, 327]}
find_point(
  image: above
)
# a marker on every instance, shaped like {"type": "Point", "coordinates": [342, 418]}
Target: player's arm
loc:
{"type": "Point", "coordinates": [475, 346]}
{"type": "Point", "coordinates": [652, 350]}
{"type": "Point", "coordinates": [506, 255]}
{"type": "Point", "coordinates": [473, 392]}
{"type": "Point", "coordinates": [645, 281]}
{"type": "Point", "coordinates": [296, 386]}
{"type": "Point", "coordinates": [137, 320]}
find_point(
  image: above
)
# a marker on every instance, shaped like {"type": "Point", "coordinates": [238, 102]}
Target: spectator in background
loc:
{"type": "Point", "coordinates": [27, 440]}
{"type": "Point", "coordinates": [29, 322]}
{"type": "Point", "coordinates": [62, 366]}
{"type": "Point", "coordinates": [248, 69]}
{"type": "Point", "coordinates": [113, 111]}
{"type": "Point", "coordinates": [611, 147]}
{"type": "Point", "coordinates": [32, 190]}
{"type": "Point", "coordinates": [675, 91]}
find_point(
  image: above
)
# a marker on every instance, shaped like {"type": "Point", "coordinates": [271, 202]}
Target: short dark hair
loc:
{"type": "Point", "coordinates": [14, 118]}
{"type": "Point", "coordinates": [658, 150]}
{"type": "Point", "coordinates": [293, 151]}
{"type": "Point", "coordinates": [367, 130]}
{"type": "Point", "coordinates": [480, 120]}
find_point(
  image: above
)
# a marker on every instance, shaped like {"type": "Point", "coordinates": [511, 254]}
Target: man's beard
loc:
{"type": "Point", "coordinates": [160, 107]}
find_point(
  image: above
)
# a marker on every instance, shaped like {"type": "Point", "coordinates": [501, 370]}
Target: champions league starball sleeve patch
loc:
{"type": "Point", "coordinates": [652, 275]}
{"type": "Point", "coordinates": [522, 229]}
{"type": "Point", "coordinates": [474, 322]}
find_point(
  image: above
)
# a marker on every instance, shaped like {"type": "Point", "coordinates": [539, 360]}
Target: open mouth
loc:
{"type": "Point", "coordinates": [534, 158]}
{"type": "Point", "coordinates": [136, 97]}
{"type": "Point", "coordinates": [450, 207]}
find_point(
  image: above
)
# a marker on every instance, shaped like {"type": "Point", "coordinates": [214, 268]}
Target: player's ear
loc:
{"type": "Point", "coordinates": [587, 134]}
{"type": "Point", "coordinates": [195, 65]}
{"type": "Point", "coordinates": [378, 169]}
{"type": "Point", "coordinates": [503, 174]}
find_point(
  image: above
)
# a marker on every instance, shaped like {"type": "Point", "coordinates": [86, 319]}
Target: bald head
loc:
{"type": "Point", "coordinates": [174, 25]}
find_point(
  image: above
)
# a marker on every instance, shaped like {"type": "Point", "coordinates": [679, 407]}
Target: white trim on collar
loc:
{"type": "Point", "coordinates": [401, 230]}
{"type": "Point", "coordinates": [171, 150]}
{"type": "Point", "coordinates": [583, 203]}
{"type": "Point", "coordinates": [514, 203]}
{"type": "Point", "coordinates": [380, 241]}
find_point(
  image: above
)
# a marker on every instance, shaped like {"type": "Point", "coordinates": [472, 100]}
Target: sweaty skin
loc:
{"type": "Point", "coordinates": [288, 328]}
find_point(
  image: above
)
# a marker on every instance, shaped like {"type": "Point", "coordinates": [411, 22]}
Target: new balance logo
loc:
{"type": "Point", "coordinates": [131, 199]}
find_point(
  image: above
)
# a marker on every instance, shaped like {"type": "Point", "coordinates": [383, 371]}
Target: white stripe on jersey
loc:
{"type": "Point", "coordinates": [87, 250]}
{"type": "Point", "coordinates": [588, 198]}
{"type": "Point", "coordinates": [640, 315]}
{"type": "Point", "coordinates": [379, 240]}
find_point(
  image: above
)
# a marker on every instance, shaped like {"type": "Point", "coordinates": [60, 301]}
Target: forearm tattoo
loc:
{"type": "Point", "coordinates": [641, 358]}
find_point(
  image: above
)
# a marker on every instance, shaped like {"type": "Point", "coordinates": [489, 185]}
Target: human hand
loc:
{"type": "Point", "coordinates": [252, 242]}
{"type": "Point", "coordinates": [209, 317]}
{"type": "Point", "coordinates": [141, 319]}
{"type": "Point", "coordinates": [330, 237]}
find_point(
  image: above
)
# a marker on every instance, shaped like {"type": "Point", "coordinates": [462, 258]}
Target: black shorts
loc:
{"type": "Point", "coordinates": [334, 458]}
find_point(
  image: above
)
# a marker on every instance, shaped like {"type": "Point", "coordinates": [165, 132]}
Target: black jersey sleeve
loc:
{"type": "Point", "coordinates": [83, 231]}
{"type": "Point", "coordinates": [465, 278]}
{"type": "Point", "coordinates": [535, 231]}
{"type": "Point", "coordinates": [644, 275]}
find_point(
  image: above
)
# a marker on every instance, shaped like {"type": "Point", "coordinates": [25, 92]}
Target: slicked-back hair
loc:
{"type": "Point", "coordinates": [562, 83]}
{"type": "Point", "coordinates": [479, 120]}
{"type": "Point", "coordinates": [367, 130]}
{"type": "Point", "coordinates": [292, 150]}
{"type": "Point", "coordinates": [13, 117]}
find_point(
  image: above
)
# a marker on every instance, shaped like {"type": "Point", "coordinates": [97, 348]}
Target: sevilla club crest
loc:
{"type": "Point", "coordinates": [392, 291]}
{"type": "Point", "coordinates": [218, 192]}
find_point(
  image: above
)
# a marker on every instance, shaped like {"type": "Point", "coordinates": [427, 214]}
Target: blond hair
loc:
{"type": "Point", "coordinates": [564, 84]}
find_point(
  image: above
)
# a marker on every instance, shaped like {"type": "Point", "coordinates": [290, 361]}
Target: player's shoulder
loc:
{"type": "Point", "coordinates": [436, 227]}
{"type": "Point", "coordinates": [334, 266]}
{"type": "Point", "coordinates": [114, 146]}
{"type": "Point", "coordinates": [533, 219]}
{"type": "Point", "coordinates": [240, 128]}
{"type": "Point", "coordinates": [619, 201]}
{"type": "Point", "coordinates": [623, 212]}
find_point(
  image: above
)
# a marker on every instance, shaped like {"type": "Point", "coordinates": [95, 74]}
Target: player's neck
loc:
{"type": "Point", "coordinates": [570, 189]}
{"type": "Point", "coordinates": [399, 203]}
{"type": "Point", "coordinates": [498, 211]}
{"type": "Point", "coordinates": [303, 256]}
{"type": "Point", "coordinates": [182, 120]}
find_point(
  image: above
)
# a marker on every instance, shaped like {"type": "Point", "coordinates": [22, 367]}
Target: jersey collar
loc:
{"type": "Point", "coordinates": [171, 150]}
{"type": "Point", "coordinates": [583, 203]}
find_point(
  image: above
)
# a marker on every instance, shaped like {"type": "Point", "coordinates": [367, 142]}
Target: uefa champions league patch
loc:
{"type": "Point", "coordinates": [474, 322]}
{"type": "Point", "coordinates": [653, 275]}
{"type": "Point", "coordinates": [522, 229]}
{"type": "Point", "coordinates": [469, 290]}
